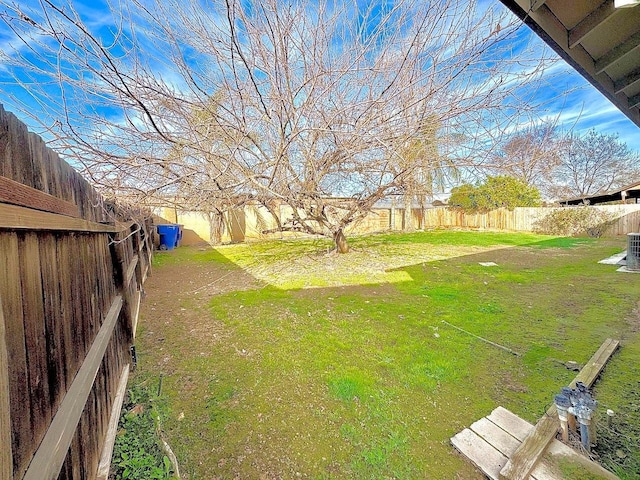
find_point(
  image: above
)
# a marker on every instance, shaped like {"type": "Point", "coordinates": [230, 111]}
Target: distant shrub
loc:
{"type": "Point", "coordinates": [575, 221]}
{"type": "Point", "coordinates": [496, 192]}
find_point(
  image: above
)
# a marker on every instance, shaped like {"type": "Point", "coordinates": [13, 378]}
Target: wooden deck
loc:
{"type": "Point", "coordinates": [490, 442]}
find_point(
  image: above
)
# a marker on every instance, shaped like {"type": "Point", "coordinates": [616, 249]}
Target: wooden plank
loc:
{"type": "Point", "coordinates": [107, 449]}
{"type": "Point", "coordinates": [18, 194]}
{"type": "Point", "coordinates": [16, 351]}
{"type": "Point", "coordinates": [54, 329]}
{"type": "Point", "coordinates": [136, 313]}
{"type": "Point", "coordinates": [589, 24]}
{"type": "Point", "coordinates": [481, 453]}
{"type": "Point", "coordinates": [499, 439]}
{"type": "Point", "coordinates": [530, 451]}
{"type": "Point", "coordinates": [13, 217]}
{"type": "Point", "coordinates": [6, 455]}
{"type": "Point", "coordinates": [627, 81]}
{"type": "Point", "coordinates": [48, 460]}
{"type": "Point", "coordinates": [131, 269]}
{"type": "Point", "coordinates": [612, 56]}
{"type": "Point", "coordinates": [511, 423]}
{"type": "Point", "coordinates": [118, 250]}
{"type": "Point", "coordinates": [64, 254]}
{"type": "Point", "coordinates": [35, 336]}
{"type": "Point", "coordinates": [596, 363]}
{"type": "Point", "coordinates": [558, 449]}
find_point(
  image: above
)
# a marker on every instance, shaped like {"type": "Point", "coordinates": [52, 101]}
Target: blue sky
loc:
{"type": "Point", "coordinates": [581, 109]}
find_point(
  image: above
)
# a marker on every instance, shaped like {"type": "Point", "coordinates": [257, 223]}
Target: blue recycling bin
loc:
{"type": "Point", "coordinates": [169, 236]}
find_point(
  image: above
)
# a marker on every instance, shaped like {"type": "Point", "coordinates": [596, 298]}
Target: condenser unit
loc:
{"type": "Point", "coordinates": [633, 251]}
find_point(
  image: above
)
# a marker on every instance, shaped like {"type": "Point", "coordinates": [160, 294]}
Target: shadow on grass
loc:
{"type": "Point", "coordinates": [373, 372]}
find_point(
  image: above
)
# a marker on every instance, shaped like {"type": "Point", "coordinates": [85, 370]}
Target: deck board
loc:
{"type": "Point", "coordinates": [492, 440]}
{"type": "Point", "coordinates": [504, 442]}
{"type": "Point", "coordinates": [511, 423]}
{"type": "Point", "coordinates": [489, 460]}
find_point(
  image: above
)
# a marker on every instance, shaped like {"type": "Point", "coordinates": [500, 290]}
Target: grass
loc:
{"type": "Point", "coordinates": [341, 366]}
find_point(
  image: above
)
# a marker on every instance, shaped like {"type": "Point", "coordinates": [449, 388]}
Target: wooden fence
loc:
{"type": "Point", "coordinates": [70, 286]}
{"type": "Point", "coordinates": [523, 219]}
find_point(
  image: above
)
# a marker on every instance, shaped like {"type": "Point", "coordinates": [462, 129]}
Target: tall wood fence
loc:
{"type": "Point", "coordinates": [523, 219]}
{"type": "Point", "coordinates": [70, 287]}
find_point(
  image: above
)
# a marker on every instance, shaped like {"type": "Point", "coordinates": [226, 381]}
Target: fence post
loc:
{"type": "Point", "coordinates": [6, 452]}
{"type": "Point", "coordinates": [116, 246]}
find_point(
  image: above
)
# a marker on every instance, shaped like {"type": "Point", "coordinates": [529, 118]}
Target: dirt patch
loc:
{"type": "Point", "coordinates": [179, 295]}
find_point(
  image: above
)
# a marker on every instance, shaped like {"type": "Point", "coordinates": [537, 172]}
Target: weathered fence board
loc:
{"type": "Point", "coordinates": [25, 159]}
{"type": "Point", "coordinates": [18, 194]}
{"type": "Point", "coordinates": [523, 219]}
{"type": "Point", "coordinates": [67, 312]}
{"type": "Point", "coordinates": [11, 294]}
{"type": "Point", "coordinates": [6, 456]}
{"type": "Point", "coordinates": [48, 460]}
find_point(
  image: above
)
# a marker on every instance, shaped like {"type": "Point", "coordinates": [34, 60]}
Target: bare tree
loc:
{"type": "Point", "coordinates": [311, 104]}
{"type": "Point", "coordinates": [593, 163]}
{"type": "Point", "coordinates": [431, 170]}
{"type": "Point", "coordinates": [530, 155]}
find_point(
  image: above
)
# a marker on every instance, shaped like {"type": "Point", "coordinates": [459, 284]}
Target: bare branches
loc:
{"type": "Point", "coordinates": [217, 103]}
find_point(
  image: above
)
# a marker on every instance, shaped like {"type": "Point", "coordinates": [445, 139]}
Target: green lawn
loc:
{"type": "Point", "coordinates": [340, 366]}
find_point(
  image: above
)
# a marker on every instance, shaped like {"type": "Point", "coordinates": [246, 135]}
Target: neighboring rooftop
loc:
{"type": "Point", "coordinates": [625, 193]}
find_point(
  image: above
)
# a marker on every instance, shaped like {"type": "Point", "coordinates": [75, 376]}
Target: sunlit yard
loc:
{"type": "Point", "coordinates": [280, 360]}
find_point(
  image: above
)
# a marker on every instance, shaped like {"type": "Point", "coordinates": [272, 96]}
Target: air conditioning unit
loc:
{"type": "Point", "coordinates": [633, 251]}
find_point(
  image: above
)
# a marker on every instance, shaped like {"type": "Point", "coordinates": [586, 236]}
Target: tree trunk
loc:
{"type": "Point", "coordinates": [408, 213]}
{"type": "Point", "coordinates": [341, 242]}
{"type": "Point", "coordinates": [216, 227]}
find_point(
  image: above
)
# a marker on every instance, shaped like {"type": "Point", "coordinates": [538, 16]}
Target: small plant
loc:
{"type": "Point", "coordinates": [137, 453]}
{"type": "Point", "coordinates": [575, 221]}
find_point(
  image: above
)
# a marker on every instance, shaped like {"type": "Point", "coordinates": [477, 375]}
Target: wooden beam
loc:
{"type": "Point", "coordinates": [634, 101]}
{"type": "Point", "coordinates": [50, 456]}
{"type": "Point", "coordinates": [14, 217]}
{"type": "Point", "coordinates": [525, 458]}
{"type": "Point", "coordinates": [596, 363]}
{"type": "Point", "coordinates": [6, 452]}
{"type": "Point", "coordinates": [136, 313]}
{"type": "Point", "coordinates": [18, 194]}
{"type": "Point", "coordinates": [590, 23]}
{"type": "Point", "coordinates": [630, 45]}
{"type": "Point", "coordinates": [626, 81]}
{"type": "Point", "coordinates": [131, 269]}
{"type": "Point", "coordinates": [110, 440]}
{"type": "Point", "coordinates": [536, 4]}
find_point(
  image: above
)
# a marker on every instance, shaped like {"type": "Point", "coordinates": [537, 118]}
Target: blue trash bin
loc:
{"type": "Point", "coordinates": [169, 236]}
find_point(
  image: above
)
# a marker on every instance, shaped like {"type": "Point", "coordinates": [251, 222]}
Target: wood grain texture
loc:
{"type": "Point", "coordinates": [592, 369]}
{"type": "Point", "coordinates": [510, 422]}
{"type": "Point", "coordinates": [107, 451]}
{"type": "Point", "coordinates": [48, 460]}
{"type": "Point", "coordinates": [10, 291]}
{"type": "Point", "coordinates": [500, 439]}
{"type": "Point", "coordinates": [13, 217]}
{"type": "Point", "coordinates": [58, 287]}
{"type": "Point", "coordinates": [54, 330]}
{"type": "Point", "coordinates": [34, 336]}
{"type": "Point", "coordinates": [481, 453]}
{"type": "Point", "coordinates": [6, 455]}
{"type": "Point", "coordinates": [18, 194]}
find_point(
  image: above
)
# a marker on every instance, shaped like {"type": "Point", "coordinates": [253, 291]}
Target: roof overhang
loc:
{"type": "Point", "coordinates": [600, 40]}
{"type": "Point", "coordinates": [625, 193]}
